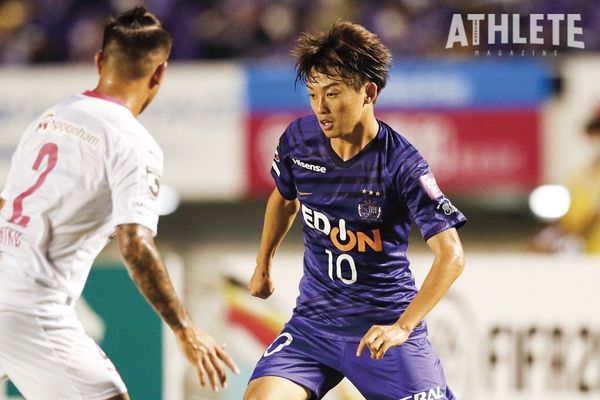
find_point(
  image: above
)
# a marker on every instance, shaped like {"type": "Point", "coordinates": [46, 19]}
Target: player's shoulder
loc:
{"type": "Point", "coordinates": [119, 124]}
{"type": "Point", "coordinates": [400, 154]}
{"type": "Point", "coordinates": [302, 132]}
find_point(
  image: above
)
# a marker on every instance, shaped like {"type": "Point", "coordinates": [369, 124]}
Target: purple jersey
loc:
{"type": "Point", "coordinates": [356, 217]}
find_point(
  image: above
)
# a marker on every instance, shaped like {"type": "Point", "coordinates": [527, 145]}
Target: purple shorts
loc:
{"type": "Point", "coordinates": [409, 372]}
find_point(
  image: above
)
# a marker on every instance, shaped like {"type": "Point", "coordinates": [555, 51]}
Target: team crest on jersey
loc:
{"type": "Point", "coordinates": [369, 210]}
{"type": "Point", "coordinates": [153, 180]}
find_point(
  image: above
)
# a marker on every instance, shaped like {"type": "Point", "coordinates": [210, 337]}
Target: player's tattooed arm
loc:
{"type": "Point", "coordinates": [147, 270]}
{"type": "Point", "coordinates": [150, 275]}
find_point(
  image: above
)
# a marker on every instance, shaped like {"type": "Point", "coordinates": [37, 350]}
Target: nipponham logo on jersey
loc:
{"type": "Point", "coordinates": [431, 394]}
{"type": "Point", "coordinates": [153, 179]}
{"type": "Point", "coordinates": [43, 124]}
{"type": "Point", "coordinates": [52, 124]}
{"type": "Point", "coordinates": [310, 167]}
{"type": "Point", "coordinates": [343, 239]}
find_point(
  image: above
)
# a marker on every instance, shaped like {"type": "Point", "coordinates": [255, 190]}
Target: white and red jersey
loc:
{"type": "Point", "coordinates": [83, 167]}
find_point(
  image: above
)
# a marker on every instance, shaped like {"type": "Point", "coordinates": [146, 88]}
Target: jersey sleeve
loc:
{"type": "Point", "coordinates": [281, 170]}
{"type": "Point", "coordinates": [134, 175]}
{"type": "Point", "coordinates": [428, 207]}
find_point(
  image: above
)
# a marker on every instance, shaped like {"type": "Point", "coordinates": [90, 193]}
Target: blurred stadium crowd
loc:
{"type": "Point", "coordinates": [37, 31]}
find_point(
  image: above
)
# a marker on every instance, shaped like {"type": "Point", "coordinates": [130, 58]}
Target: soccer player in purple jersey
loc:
{"type": "Point", "coordinates": [358, 185]}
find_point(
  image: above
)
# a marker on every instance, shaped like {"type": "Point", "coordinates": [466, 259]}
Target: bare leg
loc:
{"type": "Point", "coordinates": [275, 388]}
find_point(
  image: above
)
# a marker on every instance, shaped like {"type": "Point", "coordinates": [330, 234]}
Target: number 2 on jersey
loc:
{"type": "Point", "coordinates": [50, 151]}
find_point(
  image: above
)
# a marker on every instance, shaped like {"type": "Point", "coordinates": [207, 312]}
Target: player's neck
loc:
{"type": "Point", "coordinates": [130, 93]}
{"type": "Point", "coordinates": [349, 145]}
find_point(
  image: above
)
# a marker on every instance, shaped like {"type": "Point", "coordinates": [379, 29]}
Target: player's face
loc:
{"type": "Point", "coordinates": [339, 108]}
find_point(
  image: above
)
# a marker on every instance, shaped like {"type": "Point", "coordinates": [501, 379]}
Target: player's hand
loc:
{"type": "Point", "coordinates": [380, 338]}
{"type": "Point", "coordinates": [261, 284]}
{"type": "Point", "coordinates": [206, 356]}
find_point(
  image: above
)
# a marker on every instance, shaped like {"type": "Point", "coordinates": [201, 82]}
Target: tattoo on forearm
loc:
{"type": "Point", "coordinates": [150, 275]}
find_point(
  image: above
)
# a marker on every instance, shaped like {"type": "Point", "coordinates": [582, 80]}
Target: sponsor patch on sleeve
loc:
{"type": "Point", "coordinates": [430, 185]}
{"type": "Point", "coordinates": [153, 180]}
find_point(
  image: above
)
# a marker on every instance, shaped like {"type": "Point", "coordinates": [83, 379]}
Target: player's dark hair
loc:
{"type": "Point", "coordinates": [347, 50]}
{"type": "Point", "coordinates": [134, 37]}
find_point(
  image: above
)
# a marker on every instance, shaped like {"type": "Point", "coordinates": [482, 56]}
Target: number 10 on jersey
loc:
{"type": "Point", "coordinates": [341, 260]}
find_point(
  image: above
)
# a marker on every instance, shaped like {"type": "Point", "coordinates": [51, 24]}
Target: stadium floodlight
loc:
{"type": "Point", "coordinates": [168, 200]}
{"type": "Point", "coordinates": [549, 202]}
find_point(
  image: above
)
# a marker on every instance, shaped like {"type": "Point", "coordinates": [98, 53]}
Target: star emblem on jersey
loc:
{"type": "Point", "coordinates": [375, 193]}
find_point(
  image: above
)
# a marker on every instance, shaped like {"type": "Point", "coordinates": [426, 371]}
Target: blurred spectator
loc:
{"type": "Point", "coordinates": [65, 30]}
{"type": "Point", "coordinates": [579, 229]}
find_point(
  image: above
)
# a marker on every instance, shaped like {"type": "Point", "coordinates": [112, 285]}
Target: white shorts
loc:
{"type": "Point", "coordinates": [45, 351]}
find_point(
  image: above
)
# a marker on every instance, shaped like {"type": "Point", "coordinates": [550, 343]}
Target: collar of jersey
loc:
{"type": "Point", "coordinates": [93, 93]}
{"type": "Point", "coordinates": [335, 158]}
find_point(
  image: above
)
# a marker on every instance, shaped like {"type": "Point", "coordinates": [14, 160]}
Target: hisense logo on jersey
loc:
{"type": "Point", "coordinates": [561, 29]}
{"type": "Point", "coordinates": [431, 394]}
{"type": "Point", "coordinates": [310, 167]}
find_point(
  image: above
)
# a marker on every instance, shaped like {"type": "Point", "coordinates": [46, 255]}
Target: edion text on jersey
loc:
{"type": "Point", "coordinates": [343, 239]}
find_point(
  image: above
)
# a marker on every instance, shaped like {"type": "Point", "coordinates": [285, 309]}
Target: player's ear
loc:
{"type": "Point", "coordinates": [158, 74]}
{"type": "Point", "coordinates": [370, 93]}
{"type": "Point", "coordinates": [98, 59]}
